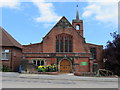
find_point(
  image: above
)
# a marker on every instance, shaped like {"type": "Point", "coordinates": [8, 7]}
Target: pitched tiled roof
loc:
{"type": "Point", "coordinates": [7, 39]}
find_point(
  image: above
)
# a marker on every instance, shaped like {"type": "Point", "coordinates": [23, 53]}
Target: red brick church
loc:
{"type": "Point", "coordinates": [64, 45]}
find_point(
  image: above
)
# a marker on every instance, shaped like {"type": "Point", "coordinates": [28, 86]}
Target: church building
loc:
{"type": "Point", "coordinates": [65, 46]}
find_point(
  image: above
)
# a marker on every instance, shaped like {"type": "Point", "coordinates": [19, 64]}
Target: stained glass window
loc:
{"type": "Point", "coordinates": [66, 45]}
{"type": "Point", "coordinates": [63, 43]}
{"type": "Point", "coordinates": [70, 45]}
{"type": "Point", "coordinates": [57, 45]}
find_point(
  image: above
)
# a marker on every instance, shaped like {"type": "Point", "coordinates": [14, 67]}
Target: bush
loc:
{"type": "Point", "coordinates": [6, 69]}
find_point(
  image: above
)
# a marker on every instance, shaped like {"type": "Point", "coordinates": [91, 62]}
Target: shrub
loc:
{"type": "Point", "coordinates": [6, 69]}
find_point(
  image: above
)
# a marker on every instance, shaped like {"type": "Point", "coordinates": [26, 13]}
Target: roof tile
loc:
{"type": "Point", "coordinates": [7, 39]}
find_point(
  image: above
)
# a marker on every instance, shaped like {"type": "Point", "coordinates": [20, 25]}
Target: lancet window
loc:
{"type": "Point", "coordinates": [64, 43]}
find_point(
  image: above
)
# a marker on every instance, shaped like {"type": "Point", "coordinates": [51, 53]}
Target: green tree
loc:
{"type": "Point", "coordinates": [112, 54]}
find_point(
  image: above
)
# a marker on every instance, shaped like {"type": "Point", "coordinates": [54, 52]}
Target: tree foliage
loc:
{"type": "Point", "coordinates": [112, 54]}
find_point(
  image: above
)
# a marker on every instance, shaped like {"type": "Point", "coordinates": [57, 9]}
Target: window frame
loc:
{"type": "Point", "coordinates": [57, 45]}
{"type": "Point", "coordinates": [5, 52]}
{"type": "Point", "coordinates": [66, 46]}
{"type": "Point", "coordinates": [40, 60]}
{"type": "Point", "coordinates": [64, 43]}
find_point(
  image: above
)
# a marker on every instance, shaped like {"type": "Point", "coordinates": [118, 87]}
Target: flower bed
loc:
{"type": "Point", "coordinates": [49, 69]}
{"type": "Point", "coordinates": [49, 73]}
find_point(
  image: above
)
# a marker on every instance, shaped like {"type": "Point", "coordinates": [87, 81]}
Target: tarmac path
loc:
{"type": "Point", "coordinates": [16, 80]}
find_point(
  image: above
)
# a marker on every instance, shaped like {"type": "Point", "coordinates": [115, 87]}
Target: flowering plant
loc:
{"type": "Point", "coordinates": [41, 69]}
{"type": "Point", "coordinates": [54, 67]}
{"type": "Point", "coordinates": [48, 68]}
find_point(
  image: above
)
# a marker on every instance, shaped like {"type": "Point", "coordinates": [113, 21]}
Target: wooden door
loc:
{"type": "Point", "coordinates": [65, 66]}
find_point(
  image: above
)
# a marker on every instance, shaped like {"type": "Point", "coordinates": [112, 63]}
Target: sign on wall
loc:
{"type": "Point", "coordinates": [83, 63]}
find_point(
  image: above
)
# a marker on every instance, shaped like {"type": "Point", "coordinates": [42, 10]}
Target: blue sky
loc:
{"type": "Point", "coordinates": [29, 22]}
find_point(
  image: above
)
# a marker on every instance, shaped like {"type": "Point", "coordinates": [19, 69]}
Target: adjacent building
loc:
{"type": "Point", "coordinates": [11, 51]}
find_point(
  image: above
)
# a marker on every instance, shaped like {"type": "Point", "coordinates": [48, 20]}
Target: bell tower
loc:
{"type": "Point", "coordinates": [77, 23]}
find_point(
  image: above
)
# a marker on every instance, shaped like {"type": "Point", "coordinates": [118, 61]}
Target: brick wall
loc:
{"type": "Point", "coordinates": [33, 47]}
{"type": "Point", "coordinates": [15, 57]}
{"type": "Point", "coordinates": [99, 49]}
{"type": "Point", "coordinates": [49, 42]}
{"type": "Point", "coordinates": [78, 67]}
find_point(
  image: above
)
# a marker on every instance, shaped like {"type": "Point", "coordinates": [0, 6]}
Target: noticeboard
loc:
{"type": "Point", "coordinates": [83, 63]}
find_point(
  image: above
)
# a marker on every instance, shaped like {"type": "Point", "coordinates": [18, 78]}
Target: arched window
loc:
{"type": "Point", "coordinates": [77, 27]}
{"type": "Point", "coordinates": [70, 45]}
{"type": "Point", "coordinates": [57, 45]}
{"type": "Point", "coordinates": [34, 62]}
{"type": "Point", "coordinates": [63, 43]}
{"type": "Point", "coordinates": [38, 63]}
{"type": "Point", "coordinates": [42, 62]}
{"type": "Point", "coordinates": [66, 45]}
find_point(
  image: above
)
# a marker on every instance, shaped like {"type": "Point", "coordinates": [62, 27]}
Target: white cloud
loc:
{"type": "Point", "coordinates": [48, 25]}
{"type": "Point", "coordinates": [9, 3]}
{"type": "Point", "coordinates": [102, 11]}
{"type": "Point", "coordinates": [47, 12]}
